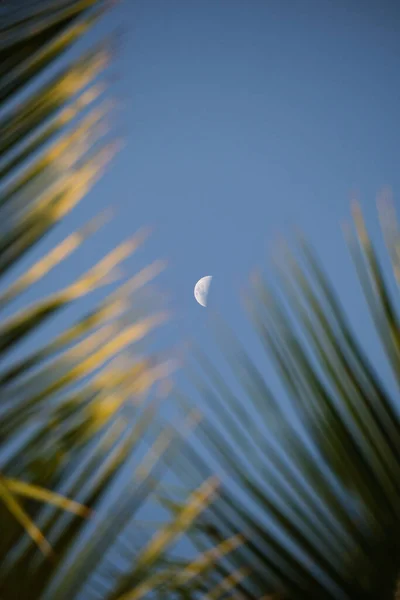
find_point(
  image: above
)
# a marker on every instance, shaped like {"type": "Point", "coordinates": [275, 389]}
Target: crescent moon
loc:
{"type": "Point", "coordinates": [201, 290]}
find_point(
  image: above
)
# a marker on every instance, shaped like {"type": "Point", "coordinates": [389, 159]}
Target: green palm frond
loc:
{"type": "Point", "coordinates": [80, 451]}
{"type": "Point", "coordinates": [311, 474]}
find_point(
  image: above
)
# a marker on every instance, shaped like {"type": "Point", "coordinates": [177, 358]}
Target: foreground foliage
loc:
{"type": "Point", "coordinates": [79, 450]}
{"type": "Point", "coordinates": [312, 474]}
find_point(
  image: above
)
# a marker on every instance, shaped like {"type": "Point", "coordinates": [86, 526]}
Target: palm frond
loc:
{"type": "Point", "coordinates": [81, 446]}
{"type": "Point", "coordinates": [312, 476]}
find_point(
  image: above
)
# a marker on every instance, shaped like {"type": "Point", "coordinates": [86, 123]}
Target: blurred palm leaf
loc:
{"type": "Point", "coordinates": [78, 434]}
{"type": "Point", "coordinates": [312, 477]}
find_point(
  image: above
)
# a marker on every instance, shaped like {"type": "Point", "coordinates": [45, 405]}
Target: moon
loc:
{"type": "Point", "coordinates": [201, 290]}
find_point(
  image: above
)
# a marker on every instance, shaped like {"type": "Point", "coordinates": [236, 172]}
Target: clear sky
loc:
{"type": "Point", "coordinates": [243, 118]}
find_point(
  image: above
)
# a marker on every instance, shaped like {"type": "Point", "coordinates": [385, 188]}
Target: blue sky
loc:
{"type": "Point", "coordinates": [243, 119]}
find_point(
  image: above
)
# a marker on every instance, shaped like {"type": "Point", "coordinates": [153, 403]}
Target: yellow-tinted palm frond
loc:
{"type": "Point", "coordinates": [79, 431]}
{"type": "Point", "coordinates": [143, 579]}
{"type": "Point", "coordinates": [20, 488]}
{"type": "Point", "coordinates": [21, 516]}
{"type": "Point", "coordinates": [73, 410]}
